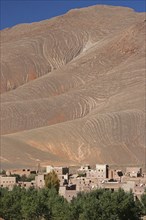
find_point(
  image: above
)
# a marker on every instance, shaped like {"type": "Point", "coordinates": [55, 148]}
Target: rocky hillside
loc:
{"type": "Point", "coordinates": [73, 89]}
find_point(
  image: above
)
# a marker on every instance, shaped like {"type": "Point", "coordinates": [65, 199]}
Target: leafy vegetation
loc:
{"type": "Point", "coordinates": [21, 203]}
{"type": "Point", "coordinates": [2, 172]}
{"type": "Point", "coordinates": [81, 175]}
{"type": "Point", "coordinates": [24, 178]}
{"type": "Point", "coordinates": [52, 181]}
{"type": "Point", "coordinates": [143, 199]}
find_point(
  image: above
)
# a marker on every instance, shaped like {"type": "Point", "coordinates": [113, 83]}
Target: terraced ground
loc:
{"type": "Point", "coordinates": [73, 89]}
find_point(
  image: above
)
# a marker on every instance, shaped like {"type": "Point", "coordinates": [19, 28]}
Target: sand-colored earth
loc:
{"type": "Point", "coordinates": [73, 89]}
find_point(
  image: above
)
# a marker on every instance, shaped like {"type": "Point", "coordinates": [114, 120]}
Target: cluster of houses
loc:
{"type": "Point", "coordinates": [84, 179]}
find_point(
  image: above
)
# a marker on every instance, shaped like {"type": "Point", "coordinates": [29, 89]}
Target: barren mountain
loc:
{"type": "Point", "coordinates": [73, 89]}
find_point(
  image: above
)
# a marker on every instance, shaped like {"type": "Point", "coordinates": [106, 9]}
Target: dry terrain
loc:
{"type": "Point", "coordinates": [73, 89]}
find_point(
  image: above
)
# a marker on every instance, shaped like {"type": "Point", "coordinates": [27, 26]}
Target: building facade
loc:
{"type": "Point", "coordinates": [7, 181]}
{"type": "Point", "coordinates": [102, 171]}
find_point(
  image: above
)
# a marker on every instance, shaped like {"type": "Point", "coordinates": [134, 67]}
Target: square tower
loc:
{"type": "Point", "coordinates": [102, 171]}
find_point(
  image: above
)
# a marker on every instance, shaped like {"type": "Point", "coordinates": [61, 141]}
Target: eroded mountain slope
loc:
{"type": "Point", "coordinates": [29, 51]}
{"type": "Point", "coordinates": [87, 103]}
{"type": "Point", "coordinates": [116, 138]}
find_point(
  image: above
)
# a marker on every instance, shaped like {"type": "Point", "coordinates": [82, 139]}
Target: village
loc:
{"type": "Point", "coordinates": [83, 179]}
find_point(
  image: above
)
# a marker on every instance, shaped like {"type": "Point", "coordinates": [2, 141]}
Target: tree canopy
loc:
{"type": "Point", "coordinates": [46, 203]}
{"type": "Point", "coordinates": [52, 181]}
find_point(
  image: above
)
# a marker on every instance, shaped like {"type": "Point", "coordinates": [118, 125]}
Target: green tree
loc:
{"type": "Point", "coordinates": [46, 204]}
{"type": "Point", "coordinates": [103, 205]}
{"type": "Point", "coordinates": [3, 172]}
{"type": "Point", "coordinates": [120, 174]}
{"type": "Point", "coordinates": [10, 204]}
{"type": "Point", "coordinates": [58, 206]}
{"type": "Point", "coordinates": [143, 200]}
{"type": "Point", "coordinates": [18, 177]}
{"type": "Point", "coordinates": [52, 181]}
